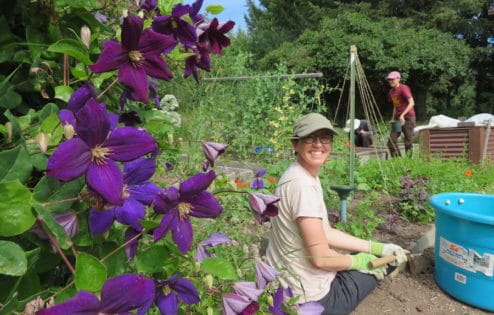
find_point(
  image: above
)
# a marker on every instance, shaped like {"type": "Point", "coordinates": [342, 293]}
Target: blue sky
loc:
{"type": "Point", "coordinates": [233, 10]}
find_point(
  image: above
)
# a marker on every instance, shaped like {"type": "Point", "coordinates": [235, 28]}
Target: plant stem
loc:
{"type": "Point", "coordinates": [107, 88]}
{"type": "Point", "coordinates": [122, 246]}
{"type": "Point", "coordinates": [55, 244]}
{"type": "Point", "coordinates": [49, 204]}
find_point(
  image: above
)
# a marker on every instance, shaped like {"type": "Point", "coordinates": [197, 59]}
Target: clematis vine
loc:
{"type": "Point", "coordinates": [214, 239]}
{"type": "Point", "coordinates": [200, 59]}
{"type": "Point", "coordinates": [212, 150]}
{"type": "Point", "coordinates": [138, 56]}
{"type": "Point", "coordinates": [258, 182]}
{"type": "Point", "coordinates": [263, 206]}
{"type": "Point", "coordinates": [137, 193]}
{"type": "Point", "coordinates": [264, 274]}
{"type": "Point", "coordinates": [169, 293]}
{"type": "Point", "coordinates": [119, 295]}
{"type": "Point", "coordinates": [96, 150]}
{"type": "Point", "coordinates": [176, 26]}
{"type": "Point", "coordinates": [177, 205]}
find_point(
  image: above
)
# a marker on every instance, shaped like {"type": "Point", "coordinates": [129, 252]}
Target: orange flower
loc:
{"type": "Point", "coordinates": [271, 179]}
{"type": "Point", "coordinates": [468, 173]}
{"type": "Point", "coordinates": [347, 144]}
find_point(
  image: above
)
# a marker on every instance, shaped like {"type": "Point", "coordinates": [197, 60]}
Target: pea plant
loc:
{"type": "Point", "coordinates": [84, 228]}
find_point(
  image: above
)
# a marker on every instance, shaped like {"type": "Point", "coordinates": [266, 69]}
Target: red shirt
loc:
{"type": "Point", "coordinates": [399, 96]}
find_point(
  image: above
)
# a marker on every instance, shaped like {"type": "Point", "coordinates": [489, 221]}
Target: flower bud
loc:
{"type": "Point", "coordinates": [85, 35]}
{"type": "Point", "coordinates": [68, 131]}
{"type": "Point", "coordinates": [270, 300]}
{"type": "Point", "coordinates": [42, 142]}
{"type": "Point", "coordinates": [210, 310]}
{"type": "Point", "coordinates": [8, 126]}
{"type": "Point", "coordinates": [197, 266]}
{"type": "Point", "coordinates": [208, 280]}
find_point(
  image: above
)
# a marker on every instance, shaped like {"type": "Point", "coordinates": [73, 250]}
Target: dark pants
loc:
{"type": "Point", "coordinates": [363, 140]}
{"type": "Point", "coordinates": [407, 130]}
{"type": "Point", "coordinates": [348, 289]}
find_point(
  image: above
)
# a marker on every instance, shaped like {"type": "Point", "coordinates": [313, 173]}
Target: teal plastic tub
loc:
{"type": "Point", "coordinates": [464, 247]}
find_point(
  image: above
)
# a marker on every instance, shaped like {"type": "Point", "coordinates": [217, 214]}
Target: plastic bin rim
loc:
{"type": "Point", "coordinates": [437, 202]}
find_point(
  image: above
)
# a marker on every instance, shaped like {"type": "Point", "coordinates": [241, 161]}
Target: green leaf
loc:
{"type": "Point", "coordinates": [214, 9]}
{"type": "Point", "coordinates": [16, 216]}
{"type": "Point", "coordinates": [53, 226]}
{"type": "Point", "coordinates": [72, 48]}
{"type": "Point", "coordinates": [90, 273]}
{"type": "Point", "coordinates": [146, 261]}
{"type": "Point", "coordinates": [49, 189]}
{"type": "Point", "coordinates": [15, 164]}
{"type": "Point", "coordinates": [63, 92]}
{"type": "Point", "coordinates": [9, 98]}
{"type": "Point", "coordinates": [13, 261]}
{"type": "Point", "coordinates": [52, 127]}
{"type": "Point", "coordinates": [16, 127]}
{"type": "Point", "coordinates": [47, 110]}
{"type": "Point", "coordinates": [219, 267]}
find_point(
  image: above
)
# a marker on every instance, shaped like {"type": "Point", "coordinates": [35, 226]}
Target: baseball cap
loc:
{"type": "Point", "coordinates": [356, 124]}
{"type": "Point", "coordinates": [393, 75]}
{"type": "Point", "coordinates": [309, 123]}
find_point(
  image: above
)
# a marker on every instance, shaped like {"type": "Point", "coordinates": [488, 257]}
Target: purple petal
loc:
{"type": "Point", "coordinates": [205, 205]}
{"type": "Point", "coordinates": [126, 292]}
{"type": "Point", "coordinates": [168, 304]}
{"type": "Point", "coordinates": [261, 172]}
{"type": "Point", "coordinates": [131, 32]}
{"type": "Point", "coordinates": [154, 44]}
{"type": "Point", "coordinates": [201, 253]}
{"type": "Point", "coordinates": [197, 183]}
{"type": "Point", "coordinates": [277, 301]}
{"type": "Point", "coordinates": [215, 239]}
{"type": "Point", "coordinates": [139, 170]}
{"type": "Point", "coordinates": [69, 161]}
{"type": "Point", "coordinates": [182, 234]}
{"type": "Point", "coordinates": [68, 221]}
{"type": "Point", "coordinates": [130, 213]}
{"type": "Point", "coordinates": [248, 289]}
{"type": "Point", "coordinates": [234, 304]}
{"type": "Point", "coordinates": [310, 308]}
{"type": "Point", "coordinates": [106, 179]}
{"type": "Point", "coordinates": [264, 274]}
{"type": "Point", "coordinates": [66, 117]}
{"type": "Point", "coordinates": [145, 193]}
{"type": "Point", "coordinates": [260, 202]}
{"type": "Point", "coordinates": [100, 221]}
{"type": "Point", "coordinates": [128, 143]}
{"type": "Point", "coordinates": [186, 292]}
{"type": "Point", "coordinates": [164, 226]}
{"type": "Point", "coordinates": [135, 79]}
{"type": "Point", "coordinates": [212, 150]}
{"type": "Point", "coordinates": [80, 96]}
{"type": "Point", "coordinates": [113, 118]}
{"type": "Point", "coordinates": [166, 201]}
{"type": "Point", "coordinates": [93, 124]}
{"type": "Point", "coordinates": [156, 67]}
{"type": "Point", "coordinates": [112, 57]}
{"type": "Point", "coordinates": [82, 303]}
{"type": "Point", "coordinates": [131, 247]}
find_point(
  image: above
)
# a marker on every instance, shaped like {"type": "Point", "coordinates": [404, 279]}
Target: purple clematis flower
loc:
{"type": "Point", "coordinates": [212, 150]}
{"type": "Point", "coordinates": [248, 289]}
{"type": "Point", "coordinates": [137, 56]}
{"type": "Point", "coordinates": [212, 35]}
{"type": "Point", "coordinates": [234, 304]}
{"type": "Point", "coordinates": [284, 295]}
{"type": "Point", "coordinates": [67, 220]}
{"type": "Point", "coordinates": [190, 199]}
{"type": "Point", "coordinates": [194, 12]}
{"type": "Point", "coordinates": [131, 247]}
{"type": "Point", "coordinates": [200, 59]}
{"type": "Point", "coordinates": [169, 293]}
{"type": "Point", "coordinates": [258, 183]}
{"type": "Point", "coordinates": [176, 26]}
{"type": "Point", "coordinates": [263, 206]}
{"type": "Point", "coordinates": [96, 150]}
{"type": "Point", "coordinates": [137, 193]}
{"type": "Point", "coordinates": [214, 239]}
{"type": "Point", "coordinates": [264, 274]}
{"type": "Point", "coordinates": [80, 97]}
{"type": "Point", "coordinates": [119, 295]}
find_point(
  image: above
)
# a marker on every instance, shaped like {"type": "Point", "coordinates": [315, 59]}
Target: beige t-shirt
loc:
{"type": "Point", "coordinates": [301, 196]}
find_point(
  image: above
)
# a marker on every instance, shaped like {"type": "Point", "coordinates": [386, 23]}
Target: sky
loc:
{"type": "Point", "coordinates": [233, 10]}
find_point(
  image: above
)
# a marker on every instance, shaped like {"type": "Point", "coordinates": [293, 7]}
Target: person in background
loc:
{"type": "Point", "coordinates": [363, 132]}
{"type": "Point", "coordinates": [314, 256]}
{"type": "Point", "coordinates": [400, 96]}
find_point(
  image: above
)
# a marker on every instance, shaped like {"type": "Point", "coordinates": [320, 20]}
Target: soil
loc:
{"type": "Point", "coordinates": [409, 291]}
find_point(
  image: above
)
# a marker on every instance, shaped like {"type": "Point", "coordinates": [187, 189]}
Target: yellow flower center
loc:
{"type": "Point", "coordinates": [135, 57]}
{"type": "Point", "coordinates": [125, 192]}
{"type": "Point", "coordinates": [166, 290]}
{"type": "Point", "coordinates": [174, 23]}
{"type": "Point", "coordinates": [99, 155]}
{"type": "Point", "coordinates": [184, 210]}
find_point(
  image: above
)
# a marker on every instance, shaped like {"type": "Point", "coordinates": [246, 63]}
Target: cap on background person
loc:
{"type": "Point", "coordinates": [393, 75]}
{"type": "Point", "coordinates": [309, 123]}
{"type": "Point", "coordinates": [356, 124]}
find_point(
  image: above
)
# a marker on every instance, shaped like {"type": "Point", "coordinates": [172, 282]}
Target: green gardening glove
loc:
{"type": "Point", "coordinates": [388, 249]}
{"type": "Point", "coordinates": [361, 262]}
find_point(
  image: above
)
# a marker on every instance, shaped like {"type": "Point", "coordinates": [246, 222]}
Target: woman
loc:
{"type": "Point", "coordinates": [301, 240]}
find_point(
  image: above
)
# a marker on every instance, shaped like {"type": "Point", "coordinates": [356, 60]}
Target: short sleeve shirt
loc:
{"type": "Point", "coordinates": [399, 96]}
{"type": "Point", "coordinates": [301, 196]}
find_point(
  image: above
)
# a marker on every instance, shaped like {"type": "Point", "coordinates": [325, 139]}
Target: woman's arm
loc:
{"type": "Point", "coordinates": [321, 255]}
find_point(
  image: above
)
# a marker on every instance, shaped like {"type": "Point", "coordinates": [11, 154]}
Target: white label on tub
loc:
{"type": "Point", "coordinates": [467, 259]}
{"type": "Point", "coordinates": [460, 278]}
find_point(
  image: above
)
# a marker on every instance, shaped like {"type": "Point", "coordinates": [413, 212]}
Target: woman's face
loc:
{"type": "Point", "coordinates": [313, 150]}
